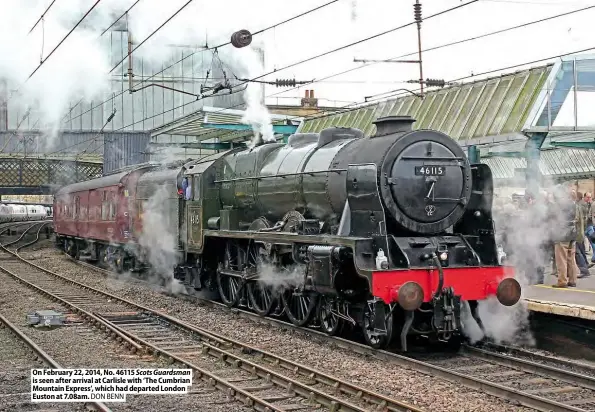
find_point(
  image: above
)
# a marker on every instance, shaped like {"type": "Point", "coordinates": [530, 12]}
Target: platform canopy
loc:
{"type": "Point", "coordinates": [495, 106]}
{"type": "Point", "coordinates": [216, 128]}
{"type": "Point", "coordinates": [498, 115]}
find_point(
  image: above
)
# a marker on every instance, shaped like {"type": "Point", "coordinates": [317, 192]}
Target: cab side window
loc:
{"type": "Point", "coordinates": [196, 187]}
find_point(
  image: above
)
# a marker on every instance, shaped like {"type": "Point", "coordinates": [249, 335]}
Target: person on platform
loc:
{"type": "Point", "coordinates": [571, 222]}
{"type": "Point", "coordinates": [589, 212]}
{"type": "Point", "coordinates": [581, 253]}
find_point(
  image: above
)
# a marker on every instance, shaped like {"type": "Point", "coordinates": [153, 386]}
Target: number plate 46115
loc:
{"type": "Point", "coordinates": [429, 170]}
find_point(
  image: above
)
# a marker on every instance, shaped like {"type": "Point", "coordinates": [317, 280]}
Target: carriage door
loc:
{"type": "Point", "coordinates": [194, 214]}
{"type": "Point", "coordinates": [77, 215]}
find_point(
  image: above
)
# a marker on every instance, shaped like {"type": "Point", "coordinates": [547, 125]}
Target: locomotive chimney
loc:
{"type": "Point", "coordinates": [393, 124]}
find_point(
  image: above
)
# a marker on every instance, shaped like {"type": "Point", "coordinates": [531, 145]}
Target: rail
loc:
{"type": "Point", "coordinates": [493, 388]}
{"type": "Point", "coordinates": [44, 356]}
{"type": "Point", "coordinates": [220, 347]}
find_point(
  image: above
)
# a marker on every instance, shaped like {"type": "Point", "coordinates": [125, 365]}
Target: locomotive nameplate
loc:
{"type": "Point", "coordinates": [430, 170]}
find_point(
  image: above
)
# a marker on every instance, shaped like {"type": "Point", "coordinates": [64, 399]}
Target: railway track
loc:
{"type": "Point", "coordinates": [543, 386]}
{"type": "Point", "coordinates": [257, 378]}
{"type": "Point", "coordinates": [536, 381]}
{"type": "Point", "coordinates": [22, 375]}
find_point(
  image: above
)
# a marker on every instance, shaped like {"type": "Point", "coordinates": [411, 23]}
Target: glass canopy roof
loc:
{"type": "Point", "coordinates": [489, 107]}
{"type": "Point", "coordinates": [567, 98]}
{"type": "Point", "coordinates": [557, 99]}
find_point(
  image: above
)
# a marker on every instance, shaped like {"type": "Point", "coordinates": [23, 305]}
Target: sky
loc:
{"type": "Point", "coordinates": [574, 32]}
{"type": "Point", "coordinates": [79, 67]}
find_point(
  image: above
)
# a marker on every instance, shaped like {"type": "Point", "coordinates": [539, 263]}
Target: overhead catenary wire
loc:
{"type": "Point", "coordinates": [306, 60]}
{"type": "Point", "coordinates": [454, 43]}
{"type": "Point", "coordinates": [14, 133]}
{"type": "Point", "coordinates": [465, 40]}
{"type": "Point", "coordinates": [484, 73]}
{"type": "Point", "coordinates": [387, 97]}
{"type": "Point", "coordinates": [63, 39]}
{"type": "Point", "coordinates": [109, 119]}
{"type": "Point", "coordinates": [372, 37]}
{"type": "Point", "coordinates": [204, 49]}
{"type": "Point", "coordinates": [42, 16]}
{"type": "Point", "coordinates": [291, 65]}
{"type": "Point", "coordinates": [364, 104]}
{"type": "Point", "coordinates": [319, 55]}
{"type": "Point", "coordinates": [152, 33]}
{"type": "Point", "coordinates": [118, 19]}
{"type": "Point", "coordinates": [349, 108]}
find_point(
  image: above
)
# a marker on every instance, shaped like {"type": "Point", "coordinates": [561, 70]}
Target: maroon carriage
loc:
{"type": "Point", "coordinates": [98, 211]}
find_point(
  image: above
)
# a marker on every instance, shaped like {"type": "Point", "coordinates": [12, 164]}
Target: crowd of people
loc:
{"type": "Point", "coordinates": [555, 226]}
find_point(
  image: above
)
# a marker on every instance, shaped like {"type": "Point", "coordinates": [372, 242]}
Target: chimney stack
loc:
{"type": "Point", "coordinates": [309, 100]}
{"type": "Point", "coordinates": [393, 124]}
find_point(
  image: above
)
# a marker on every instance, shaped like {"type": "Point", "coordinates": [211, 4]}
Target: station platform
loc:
{"type": "Point", "coordinates": [578, 302]}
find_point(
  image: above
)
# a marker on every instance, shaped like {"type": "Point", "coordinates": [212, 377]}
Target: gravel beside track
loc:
{"type": "Point", "coordinates": [564, 388]}
{"type": "Point", "coordinates": [80, 345]}
{"type": "Point", "coordinates": [268, 388]}
{"type": "Point", "coordinates": [389, 379]}
{"type": "Point", "coordinates": [16, 362]}
{"type": "Point", "coordinates": [535, 355]}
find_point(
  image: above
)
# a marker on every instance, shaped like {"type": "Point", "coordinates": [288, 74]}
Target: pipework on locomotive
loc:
{"type": "Point", "coordinates": [387, 233]}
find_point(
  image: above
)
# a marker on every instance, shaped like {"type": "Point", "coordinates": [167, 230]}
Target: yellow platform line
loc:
{"type": "Point", "coordinates": [566, 289]}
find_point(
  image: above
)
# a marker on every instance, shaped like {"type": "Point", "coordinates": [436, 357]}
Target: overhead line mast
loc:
{"type": "Point", "coordinates": [451, 9]}
{"type": "Point", "coordinates": [417, 16]}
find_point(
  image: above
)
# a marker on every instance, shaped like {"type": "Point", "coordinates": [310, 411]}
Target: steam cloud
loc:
{"type": "Point", "coordinates": [280, 279]}
{"type": "Point", "coordinates": [79, 67]}
{"type": "Point", "coordinates": [159, 239]}
{"type": "Point", "coordinates": [526, 231]}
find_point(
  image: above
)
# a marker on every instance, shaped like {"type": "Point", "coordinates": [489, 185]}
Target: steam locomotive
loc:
{"type": "Point", "coordinates": [387, 233]}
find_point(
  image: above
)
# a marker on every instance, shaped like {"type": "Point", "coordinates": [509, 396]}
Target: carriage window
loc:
{"type": "Point", "coordinates": [104, 206]}
{"type": "Point", "coordinates": [77, 206]}
{"type": "Point", "coordinates": [112, 211]}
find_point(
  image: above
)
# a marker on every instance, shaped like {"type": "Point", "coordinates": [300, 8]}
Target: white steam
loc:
{"type": "Point", "coordinates": [280, 279]}
{"type": "Point", "coordinates": [526, 232]}
{"type": "Point", "coordinates": [76, 70]}
{"type": "Point", "coordinates": [256, 113]}
{"type": "Point", "coordinates": [79, 69]}
{"type": "Point", "coordinates": [159, 237]}
{"type": "Point", "coordinates": [470, 327]}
